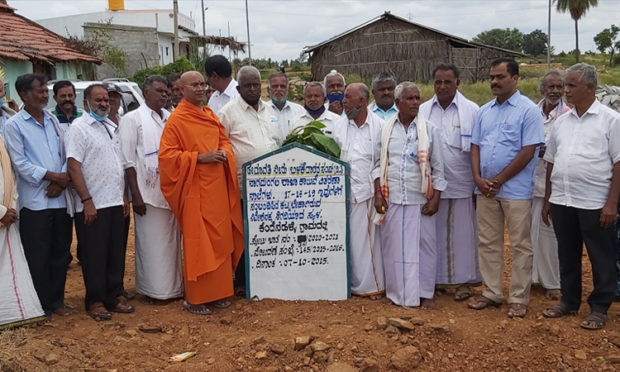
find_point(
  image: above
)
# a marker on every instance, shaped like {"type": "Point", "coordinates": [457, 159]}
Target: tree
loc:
{"type": "Point", "coordinates": [608, 39]}
{"type": "Point", "coordinates": [577, 9]}
{"type": "Point", "coordinates": [535, 43]}
{"type": "Point", "coordinates": [501, 38]}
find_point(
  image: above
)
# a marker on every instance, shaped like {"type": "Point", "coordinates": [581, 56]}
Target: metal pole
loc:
{"type": "Point", "coordinates": [175, 50]}
{"type": "Point", "coordinates": [247, 22]}
{"type": "Point", "coordinates": [549, 37]}
{"type": "Point", "coordinates": [229, 48]}
{"type": "Point", "coordinates": [204, 28]}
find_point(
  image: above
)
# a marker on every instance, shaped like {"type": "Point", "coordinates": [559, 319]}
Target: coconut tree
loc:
{"type": "Point", "coordinates": [577, 9]}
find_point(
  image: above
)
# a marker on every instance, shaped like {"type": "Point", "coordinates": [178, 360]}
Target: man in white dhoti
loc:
{"type": "Point", "coordinates": [408, 193]}
{"type": "Point", "coordinates": [359, 137]}
{"type": "Point", "coordinates": [19, 303]}
{"type": "Point", "coordinates": [158, 239]}
{"type": "Point", "coordinates": [457, 235]}
{"type": "Point", "coordinates": [546, 266]}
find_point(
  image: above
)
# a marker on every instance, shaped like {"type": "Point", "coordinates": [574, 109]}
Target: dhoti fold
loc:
{"type": "Point", "coordinates": [159, 269]}
{"type": "Point", "coordinates": [365, 251]}
{"type": "Point", "coordinates": [457, 242]}
{"type": "Point", "coordinates": [409, 251]}
{"type": "Point", "coordinates": [546, 265]}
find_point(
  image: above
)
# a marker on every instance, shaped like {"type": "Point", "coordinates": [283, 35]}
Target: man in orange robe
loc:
{"type": "Point", "coordinates": [198, 178]}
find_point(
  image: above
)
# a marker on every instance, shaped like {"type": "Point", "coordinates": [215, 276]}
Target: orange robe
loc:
{"type": "Point", "coordinates": [205, 200]}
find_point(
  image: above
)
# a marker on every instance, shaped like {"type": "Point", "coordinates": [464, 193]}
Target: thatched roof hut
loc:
{"type": "Point", "coordinates": [408, 50]}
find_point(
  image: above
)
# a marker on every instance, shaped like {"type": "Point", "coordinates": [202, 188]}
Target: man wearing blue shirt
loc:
{"type": "Point", "coordinates": [34, 141]}
{"type": "Point", "coordinates": [506, 133]}
{"type": "Point", "coordinates": [384, 105]}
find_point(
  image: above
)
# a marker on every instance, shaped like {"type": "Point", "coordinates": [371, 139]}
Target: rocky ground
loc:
{"type": "Point", "coordinates": [270, 335]}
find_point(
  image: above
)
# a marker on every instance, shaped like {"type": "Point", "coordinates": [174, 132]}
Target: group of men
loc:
{"type": "Point", "coordinates": [431, 185]}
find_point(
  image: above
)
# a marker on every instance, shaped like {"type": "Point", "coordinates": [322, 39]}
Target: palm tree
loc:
{"type": "Point", "coordinates": [577, 9]}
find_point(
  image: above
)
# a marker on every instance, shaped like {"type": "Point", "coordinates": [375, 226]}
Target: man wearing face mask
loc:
{"type": "Point", "coordinates": [65, 111]}
{"type": "Point", "coordinates": [252, 127]}
{"type": "Point", "coordinates": [286, 110]}
{"type": "Point", "coordinates": [334, 85]}
{"type": "Point", "coordinates": [359, 137]}
{"type": "Point", "coordinates": [35, 143]}
{"type": "Point", "coordinates": [96, 168]}
{"type": "Point", "coordinates": [314, 108]}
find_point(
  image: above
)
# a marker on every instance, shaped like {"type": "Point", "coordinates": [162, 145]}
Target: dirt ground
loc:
{"type": "Point", "coordinates": [345, 336]}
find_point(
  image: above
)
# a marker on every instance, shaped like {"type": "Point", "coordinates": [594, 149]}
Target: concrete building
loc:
{"type": "Point", "coordinates": [146, 36]}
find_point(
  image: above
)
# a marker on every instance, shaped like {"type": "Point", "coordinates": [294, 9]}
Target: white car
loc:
{"type": "Point", "coordinates": [132, 94]}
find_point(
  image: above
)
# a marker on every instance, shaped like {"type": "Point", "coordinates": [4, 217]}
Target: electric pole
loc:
{"type": "Point", "coordinates": [175, 49]}
{"type": "Point", "coordinates": [247, 22]}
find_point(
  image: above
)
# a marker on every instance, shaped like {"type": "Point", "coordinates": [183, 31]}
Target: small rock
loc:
{"type": "Point", "coordinates": [226, 321]}
{"type": "Point", "coordinates": [306, 361]}
{"type": "Point", "coordinates": [452, 321]}
{"type": "Point", "coordinates": [277, 349]}
{"type": "Point", "coordinates": [210, 360]}
{"type": "Point", "coordinates": [368, 327]}
{"type": "Point", "coordinates": [581, 355]}
{"type": "Point", "coordinates": [320, 357]}
{"type": "Point", "coordinates": [401, 323]}
{"type": "Point", "coordinates": [258, 340]}
{"type": "Point", "coordinates": [288, 368]}
{"type": "Point", "coordinates": [369, 365]}
{"type": "Point", "coordinates": [319, 346]}
{"type": "Point", "coordinates": [382, 322]}
{"type": "Point", "coordinates": [340, 367]}
{"type": "Point", "coordinates": [392, 330]}
{"type": "Point", "coordinates": [439, 328]}
{"type": "Point", "coordinates": [340, 346]}
{"type": "Point", "coordinates": [417, 321]}
{"type": "Point", "coordinates": [149, 328]}
{"type": "Point", "coordinates": [131, 332]}
{"type": "Point", "coordinates": [51, 358]}
{"type": "Point", "coordinates": [613, 358]}
{"type": "Point", "coordinates": [301, 342]}
{"type": "Point", "coordinates": [260, 355]}
{"type": "Point", "coordinates": [406, 359]}
{"type": "Point", "coordinates": [403, 339]}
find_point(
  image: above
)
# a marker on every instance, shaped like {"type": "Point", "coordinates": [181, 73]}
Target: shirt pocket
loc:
{"type": "Point", "coordinates": [509, 134]}
{"type": "Point", "coordinates": [592, 146]}
{"type": "Point", "coordinates": [453, 137]}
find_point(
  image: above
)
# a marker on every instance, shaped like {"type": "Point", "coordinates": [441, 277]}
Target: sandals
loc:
{"type": "Point", "coordinates": [221, 304]}
{"type": "Point", "coordinates": [462, 293]}
{"type": "Point", "coordinates": [201, 309]}
{"type": "Point", "coordinates": [482, 302]}
{"type": "Point", "coordinates": [98, 312]}
{"type": "Point", "coordinates": [516, 310]}
{"type": "Point", "coordinates": [594, 321]}
{"type": "Point", "coordinates": [558, 311]}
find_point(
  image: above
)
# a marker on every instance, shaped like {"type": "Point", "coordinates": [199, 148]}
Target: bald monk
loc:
{"type": "Point", "coordinates": [198, 178]}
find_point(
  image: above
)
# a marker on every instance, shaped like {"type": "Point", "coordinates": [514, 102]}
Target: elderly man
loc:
{"type": "Point", "coordinates": [252, 127]}
{"type": "Point", "coordinates": [314, 108]}
{"type": "Point", "coordinates": [383, 86]}
{"type": "Point", "coordinates": [34, 140]}
{"type": "Point", "coordinates": [95, 165]}
{"type": "Point", "coordinates": [286, 110]}
{"type": "Point", "coordinates": [5, 111]}
{"type": "Point", "coordinates": [407, 192]}
{"type": "Point", "coordinates": [457, 235]}
{"type": "Point", "coordinates": [583, 184]}
{"type": "Point", "coordinates": [334, 84]}
{"type": "Point", "coordinates": [158, 238]}
{"type": "Point", "coordinates": [359, 137]}
{"type": "Point", "coordinates": [197, 170]}
{"type": "Point", "coordinates": [545, 267]}
{"type": "Point", "coordinates": [219, 77]}
{"type": "Point", "coordinates": [506, 133]}
{"type": "Point", "coordinates": [64, 94]}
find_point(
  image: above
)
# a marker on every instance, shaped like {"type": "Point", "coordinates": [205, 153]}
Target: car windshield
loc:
{"type": "Point", "coordinates": [130, 102]}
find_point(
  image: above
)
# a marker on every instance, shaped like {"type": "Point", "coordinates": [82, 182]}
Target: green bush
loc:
{"type": "Point", "coordinates": [179, 66]}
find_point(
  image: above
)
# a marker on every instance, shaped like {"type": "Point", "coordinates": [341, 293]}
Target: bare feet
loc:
{"type": "Point", "coordinates": [427, 303]}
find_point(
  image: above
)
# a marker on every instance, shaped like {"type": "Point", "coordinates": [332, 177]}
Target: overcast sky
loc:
{"type": "Point", "coordinates": [280, 29]}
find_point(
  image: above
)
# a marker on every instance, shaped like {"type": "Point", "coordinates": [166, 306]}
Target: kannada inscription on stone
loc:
{"type": "Point", "coordinates": [296, 225]}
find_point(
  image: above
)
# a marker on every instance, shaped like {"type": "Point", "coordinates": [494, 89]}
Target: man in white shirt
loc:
{"type": "Point", "coordinates": [407, 193]}
{"type": "Point", "coordinates": [95, 166]}
{"type": "Point", "coordinates": [383, 86]}
{"type": "Point", "coordinates": [219, 77]}
{"type": "Point", "coordinates": [334, 84]}
{"type": "Point", "coordinates": [314, 109]}
{"type": "Point", "coordinates": [252, 127]}
{"type": "Point", "coordinates": [286, 110]}
{"type": "Point", "coordinates": [158, 238]}
{"type": "Point", "coordinates": [583, 184]}
{"type": "Point", "coordinates": [457, 233]}
{"type": "Point", "coordinates": [545, 266]}
{"type": "Point", "coordinates": [359, 137]}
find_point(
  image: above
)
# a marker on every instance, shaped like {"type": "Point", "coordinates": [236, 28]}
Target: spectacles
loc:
{"type": "Point", "coordinates": [201, 85]}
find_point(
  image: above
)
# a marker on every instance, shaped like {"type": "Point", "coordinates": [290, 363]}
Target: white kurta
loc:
{"type": "Point", "coordinates": [159, 271]}
{"type": "Point", "coordinates": [19, 303]}
{"type": "Point", "coordinates": [361, 148]}
{"type": "Point", "coordinates": [457, 234]}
